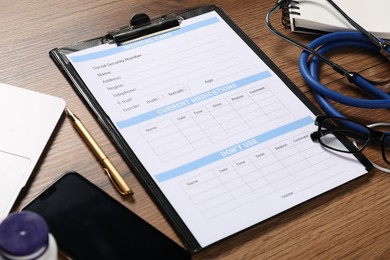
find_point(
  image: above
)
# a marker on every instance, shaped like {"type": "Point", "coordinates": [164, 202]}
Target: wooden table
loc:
{"type": "Point", "coordinates": [351, 221]}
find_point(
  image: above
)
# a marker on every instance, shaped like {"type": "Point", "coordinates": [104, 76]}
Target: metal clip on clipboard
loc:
{"type": "Point", "coordinates": [142, 26]}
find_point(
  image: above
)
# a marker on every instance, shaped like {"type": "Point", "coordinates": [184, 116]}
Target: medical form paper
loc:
{"type": "Point", "coordinates": [222, 136]}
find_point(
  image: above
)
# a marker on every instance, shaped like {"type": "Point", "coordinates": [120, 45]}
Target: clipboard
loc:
{"type": "Point", "coordinates": [215, 190]}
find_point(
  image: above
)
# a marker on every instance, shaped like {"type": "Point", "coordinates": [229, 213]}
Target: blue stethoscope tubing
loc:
{"type": "Point", "coordinates": [309, 70]}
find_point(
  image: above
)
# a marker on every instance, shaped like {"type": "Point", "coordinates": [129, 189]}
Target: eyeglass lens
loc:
{"type": "Point", "coordinates": [386, 148]}
{"type": "Point", "coordinates": [332, 130]}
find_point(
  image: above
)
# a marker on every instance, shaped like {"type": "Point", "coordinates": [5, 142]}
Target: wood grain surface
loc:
{"type": "Point", "coordinates": [350, 222]}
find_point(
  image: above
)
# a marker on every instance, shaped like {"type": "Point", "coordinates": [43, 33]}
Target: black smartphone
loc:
{"type": "Point", "coordinates": [87, 223]}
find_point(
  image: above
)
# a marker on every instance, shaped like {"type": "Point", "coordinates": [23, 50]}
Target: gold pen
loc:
{"type": "Point", "coordinates": [108, 167]}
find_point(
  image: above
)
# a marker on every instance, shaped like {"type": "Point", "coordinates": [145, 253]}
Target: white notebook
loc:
{"type": "Point", "coordinates": [27, 119]}
{"type": "Point", "coordinates": [314, 16]}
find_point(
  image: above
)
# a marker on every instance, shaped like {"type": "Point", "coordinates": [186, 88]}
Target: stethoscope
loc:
{"type": "Point", "coordinates": [309, 68]}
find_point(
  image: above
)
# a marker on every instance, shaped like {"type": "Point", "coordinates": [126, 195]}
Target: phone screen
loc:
{"type": "Point", "coordinates": [87, 223]}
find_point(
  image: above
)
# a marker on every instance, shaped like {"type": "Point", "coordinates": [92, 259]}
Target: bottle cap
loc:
{"type": "Point", "coordinates": [24, 233]}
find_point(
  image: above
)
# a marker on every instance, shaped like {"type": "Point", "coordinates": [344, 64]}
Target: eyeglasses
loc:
{"type": "Point", "coordinates": [333, 132]}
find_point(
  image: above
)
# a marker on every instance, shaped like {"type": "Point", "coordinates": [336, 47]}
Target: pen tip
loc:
{"type": "Point", "coordinates": [68, 112]}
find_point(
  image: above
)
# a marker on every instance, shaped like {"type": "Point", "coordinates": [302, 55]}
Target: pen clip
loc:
{"type": "Point", "coordinates": [113, 182]}
{"type": "Point", "coordinates": [142, 26]}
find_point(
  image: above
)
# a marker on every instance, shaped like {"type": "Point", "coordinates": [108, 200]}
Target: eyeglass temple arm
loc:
{"type": "Point", "coordinates": [317, 134]}
{"type": "Point", "coordinates": [374, 139]}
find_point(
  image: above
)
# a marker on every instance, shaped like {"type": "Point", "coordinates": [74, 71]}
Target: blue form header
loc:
{"type": "Point", "coordinates": [192, 100]}
{"type": "Point", "coordinates": [234, 149]}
